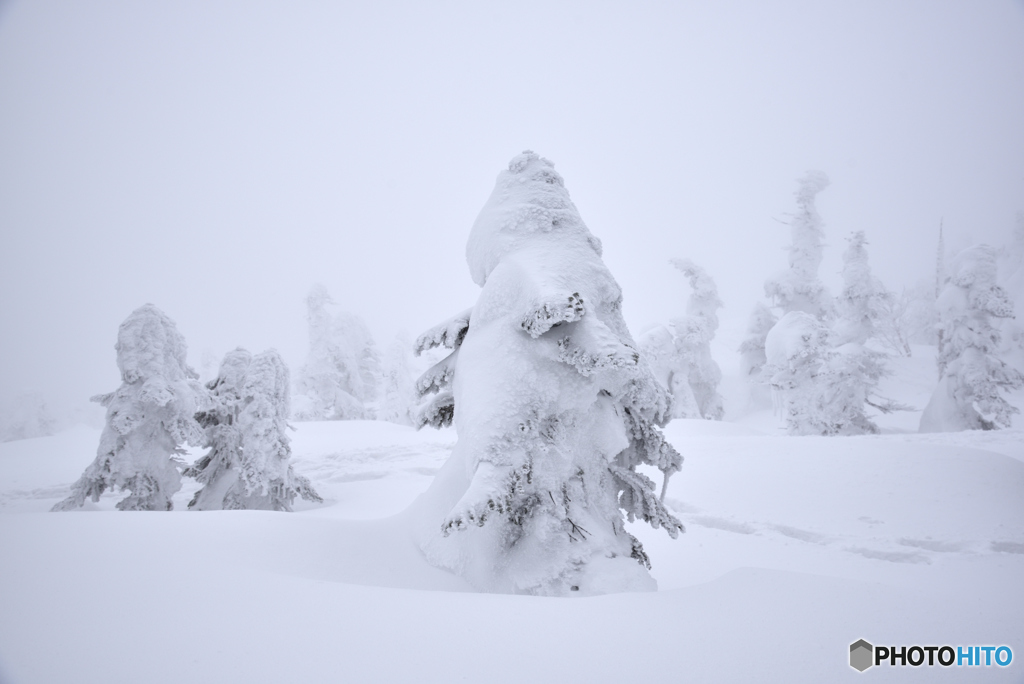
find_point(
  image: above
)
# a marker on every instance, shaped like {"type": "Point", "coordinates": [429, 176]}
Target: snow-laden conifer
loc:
{"type": "Point", "coordinates": [971, 377]}
{"type": "Point", "coordinates": [799, 288]}
{"type": "Point", "coordinates": [342, 372]}
{"type": "Point", "coordinates": [553, 406]}
{"type": "Point", "coordinates": [861, 303]}
{"type": "Point", "coordinates": [680, 353]}
{"type": "Point", "coordinates": [248, 462]}
{"type": "Point", "coordinates": [148, 418]}
{"type": "Point", "coordinates": [752, 354]}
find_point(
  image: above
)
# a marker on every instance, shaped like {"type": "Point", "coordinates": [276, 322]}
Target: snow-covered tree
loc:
{"type": "Point", "coordinates": [148, 418]}
{"type": "Point", "coordinates": [860, 305]}
{"type": "Point", "coordinates": [1012, 281]}
{"type": "Point", "coordinates": [680, 353]}
{"type": "Point", "coordinates": [342, 372]}
{"type": "Point", "coordinates": [553, 405]}
{"type": "Point", "coordinates": [248, 462]}
{"type": "Point", "coordinates": [971, 376]}
{"type": "Point", "coordinates": [752, 352]}
{"type": "Point", "coordinates": [799, 288]}
{"type": "Point", "coordinates": [820, 388]}
{"type": "Point", "coordinates": [398, 399]}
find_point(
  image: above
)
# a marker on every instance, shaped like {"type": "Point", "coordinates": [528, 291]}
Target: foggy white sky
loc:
{"type": "Point", "coordinates": [217, 158]}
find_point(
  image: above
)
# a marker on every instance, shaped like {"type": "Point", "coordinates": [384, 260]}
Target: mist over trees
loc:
{"type": "Point", "coordinates": [823, 358]}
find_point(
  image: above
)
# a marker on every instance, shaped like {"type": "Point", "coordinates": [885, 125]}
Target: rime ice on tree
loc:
{"type": "Point", "coordinates": [339, 380]}
{"type": "Point", "coordinates": [799, 288]}
{"type": "Point", "coordinates": [680, 353]}
{"type": "Point", "coordinates": [553, 406]}
{"type": "Point", "coordinates": [971, 376]}
{"type": "Point", "coordinates": [148, 418]}
{"type": "Point", "coordinates": [248, 466]}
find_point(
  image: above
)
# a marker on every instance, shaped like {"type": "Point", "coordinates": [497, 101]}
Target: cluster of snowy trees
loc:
{"type": "Point", "coordinates": [160, 406]}
{"type": "Point", "coordinates": [823, 357]}
{"type": "Point", "coordinates": [813, 349]}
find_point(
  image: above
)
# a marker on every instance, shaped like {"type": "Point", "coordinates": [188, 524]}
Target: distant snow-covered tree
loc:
{"type": "Point", "coordinates": [860, 305]}
{"type": "Point", "coordinates": [799, 288]}
{"type": "Point", "coordinates": [680, 353]}
{"type": "Point", "coordinates": [553, 405]}
{"type": "Point", "coordinates": [1012, 282]}
{"type": "Point", "coordinates": [148, 418]}
{"type": "Point", "coordinates": [342, 371]}
{"type": "Point", "coordinates": [398, 400]}
{"type": "Point", "coordinates": [248, 462]}
{"type": "Point", "coordinates": [752, 352]}
{"type": "Point", "coordinates": [26, 416]}
{"type": "Point", "coordinates": [971, 376]}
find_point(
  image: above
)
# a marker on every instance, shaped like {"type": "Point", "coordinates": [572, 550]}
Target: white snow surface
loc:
{"type": "Point", "coordinates": [795, 548]}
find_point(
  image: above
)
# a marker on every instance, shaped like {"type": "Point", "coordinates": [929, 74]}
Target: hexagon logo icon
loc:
{"type": "Point", "coordinates": [861, 655]}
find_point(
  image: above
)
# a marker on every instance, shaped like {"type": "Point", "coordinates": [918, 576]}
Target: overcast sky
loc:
{"type": "Point", "coordinates": [218, 158]}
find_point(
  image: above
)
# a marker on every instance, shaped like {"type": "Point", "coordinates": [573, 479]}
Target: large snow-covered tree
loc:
{"type": "Point", "coordinates": [680, 353]}
{"type": "Point", "coordinates": [149, 417]}
{"type": "Point", "coordinates": [342, 372]}
{"type": "Point", "coordinates": [972, 377]}
{"type": "Point", "coordinates": [799, 288]}
{"type": "Point", "coordinates": [248, 462]}
{"type": "Point", "coordinates": [553, 405]}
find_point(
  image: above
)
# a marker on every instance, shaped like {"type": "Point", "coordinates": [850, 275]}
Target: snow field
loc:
{"type": "Point", "coordinates": [795, 548]}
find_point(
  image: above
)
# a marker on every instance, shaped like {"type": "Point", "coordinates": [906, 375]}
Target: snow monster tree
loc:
{"type": "Point", "coordinates": [148, 418]}
{"type": "Point", "coordinates": [248, 464]}
{"type": "Point", "coordinates": [553, 405]}
{"type": "Point", "coordinates": [972, 377]}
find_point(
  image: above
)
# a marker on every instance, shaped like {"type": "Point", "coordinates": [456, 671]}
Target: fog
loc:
{"type": "Point", "coordinates": [218, 158]}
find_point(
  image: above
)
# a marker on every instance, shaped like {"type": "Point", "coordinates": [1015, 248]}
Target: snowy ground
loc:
{"type": "Point", "coordinates": [795, 548]}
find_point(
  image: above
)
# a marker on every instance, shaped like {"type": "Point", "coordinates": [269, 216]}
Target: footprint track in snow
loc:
{"type": "Point", "coordinates": [874, 547]}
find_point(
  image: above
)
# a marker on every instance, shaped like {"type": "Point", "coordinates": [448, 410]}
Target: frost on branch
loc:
{"type": "Point", "coordinates": [248, 462]}
{"type": "Point", "coordinates": [972, 377]}
{"type": "Point", "coordinates": [149, 417]}
{"type": "Point", "coordinates": [554, 406]}
{"type": "Point", "coordinates": [448, 334]}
